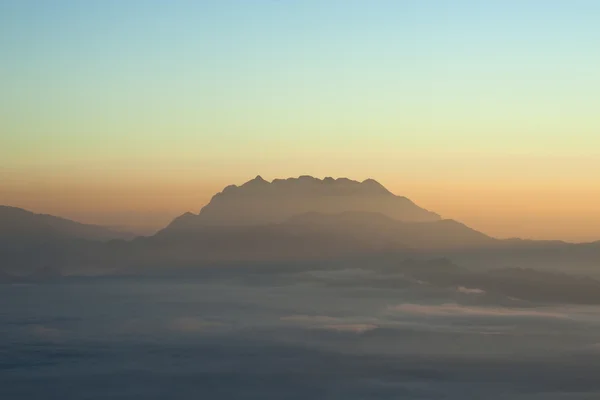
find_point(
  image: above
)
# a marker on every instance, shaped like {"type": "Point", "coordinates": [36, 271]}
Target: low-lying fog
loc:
{"type": "Point", "coordinates": [305, 333]}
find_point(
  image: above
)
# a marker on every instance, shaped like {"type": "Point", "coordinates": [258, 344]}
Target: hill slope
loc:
{"type": "Point", "coordinates": [16, 223]}
{"type": "Point", "coordinates": [30, 242]}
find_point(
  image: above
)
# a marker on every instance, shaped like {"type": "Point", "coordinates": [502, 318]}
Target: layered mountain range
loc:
{"type": "Point", "coordinates": [304, 218]}
{"type": "Point", "coordinates": [295, 219]}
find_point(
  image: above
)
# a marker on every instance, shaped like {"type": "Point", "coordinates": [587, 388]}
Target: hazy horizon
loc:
{"type": "Point", "coordinates": [142, 219]}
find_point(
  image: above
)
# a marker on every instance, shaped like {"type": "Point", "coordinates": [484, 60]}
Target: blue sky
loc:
{"type": "Point", "coordinates": [345, 65]}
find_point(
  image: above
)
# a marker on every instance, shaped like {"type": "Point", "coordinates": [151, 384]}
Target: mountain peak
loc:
{"type": "Point", "coordinates": [367, 184]}
{"type": "Point", "coordinates": [259, 179]}
{"type": "Point", "coordinates": [374, 185]}
{"type": "Point", "coordinates": [259, 202]}
{"type": "Point", "coordinates": [309, 183]}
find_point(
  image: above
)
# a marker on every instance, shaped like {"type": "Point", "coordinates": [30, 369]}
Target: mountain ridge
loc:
{"type": "Point", "coordinates": [15, 221]}
{"type": "Point", "coordinates": [294, 219]}
{"type": "Point", "coordinates": [258, 202]}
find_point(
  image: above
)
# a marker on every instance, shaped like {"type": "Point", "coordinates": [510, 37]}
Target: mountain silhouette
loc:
{"type": "Point", "coordinates": [296, 219]}
{"type": "Point", "coordinates": [306, 218]}
{"type": "Point", "coordinates": [259, 202]}
{"type": "Point", "coordinates": [379, 228]}
{"type": "Point", "coordinates": [31, 242]}
{"type": "Point", "coordinates": [312, 235]}
{"type": "Point", "coordinates": [17, 223]}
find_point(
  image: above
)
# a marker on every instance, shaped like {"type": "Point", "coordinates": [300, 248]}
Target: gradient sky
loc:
{"type": "Point", "coordinates": [132, 112]}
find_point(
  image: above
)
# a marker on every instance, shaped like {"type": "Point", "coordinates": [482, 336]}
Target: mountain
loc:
{"type": "Point", "coordinates": [29, 241]}
{"type": "Point", "coordinates": [307, 219]}
{"type": "Point", "coordinates": [303, 218]}
{"type": "Point", "coordinates": [259, 202]}
{"type": "Point", "coordinates": [293, 220]}
{"type": "Point", "coordinates": [378, 228]}
{"type": "Point", "coordinates": [16, 223]}
{"type": "Point", "coordinates": [308, 236]}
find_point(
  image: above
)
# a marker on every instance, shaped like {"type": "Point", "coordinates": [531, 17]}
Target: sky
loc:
{"type": "Point", "coordinates": [128, 113]}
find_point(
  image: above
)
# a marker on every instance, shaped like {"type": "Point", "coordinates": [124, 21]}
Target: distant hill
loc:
{"type": "Point", "coordinates": [30, 242]}
{"type": "Point", "coordinates": [259, 202]}
{"type": "Point", "coordinates": [16, 223]}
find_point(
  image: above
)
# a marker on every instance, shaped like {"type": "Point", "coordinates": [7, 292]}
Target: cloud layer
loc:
{"type": "Point", "coordinates": [454, 310]}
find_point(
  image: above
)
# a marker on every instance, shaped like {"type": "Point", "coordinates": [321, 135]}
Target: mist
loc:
{"type": "Point", "coordinates": [303, 334]}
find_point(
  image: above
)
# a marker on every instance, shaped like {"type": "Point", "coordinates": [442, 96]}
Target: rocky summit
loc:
{"type": "Point", "coordinates": [259, 202]}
